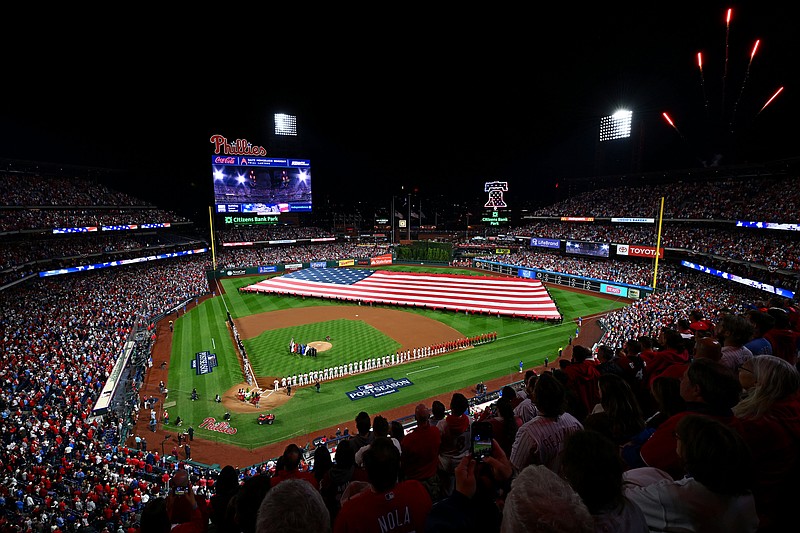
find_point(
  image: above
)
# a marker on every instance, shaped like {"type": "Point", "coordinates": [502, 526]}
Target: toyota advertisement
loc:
{"type": "Point", "coordinates": [637, 250]}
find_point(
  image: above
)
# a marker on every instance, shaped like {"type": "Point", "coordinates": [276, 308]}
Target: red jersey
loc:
{"type": "Point", "coordinates": [661, 360]}
{"type": "Point", "coordinates": [401, 509]}
{"type": "Point", "coordinates": [294, 474]}
{"type": "Point", "coordinates": [660, 449]}
{"type": "Point", "coordinates": [582, 380]}
{"type": "Point", "coordinates": [420, 452]}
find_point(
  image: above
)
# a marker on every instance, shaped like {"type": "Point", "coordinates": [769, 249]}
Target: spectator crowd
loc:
{"type": "Point", "coordinates": [685, 416]}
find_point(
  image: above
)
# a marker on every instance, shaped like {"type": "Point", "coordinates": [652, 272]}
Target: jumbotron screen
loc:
{"type": "Point", "coordinates": [261, 185]}
{"type": "Point", "coordinates": [597, 249]}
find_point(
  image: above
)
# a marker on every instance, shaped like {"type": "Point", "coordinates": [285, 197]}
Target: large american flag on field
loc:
{"type": "Point", "coordinates": [520, 297]}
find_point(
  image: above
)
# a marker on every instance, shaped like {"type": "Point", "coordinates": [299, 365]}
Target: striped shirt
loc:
{"type": "Point", "coordinates": [526, 410]}
{"type": "Point", "coordinates": [540, 441]}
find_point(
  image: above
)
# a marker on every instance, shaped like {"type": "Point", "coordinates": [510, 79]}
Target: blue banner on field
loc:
{"type": "Point", "coordinates": [379, 388]}
{"type": "Point", "coordinates": [204, 362]}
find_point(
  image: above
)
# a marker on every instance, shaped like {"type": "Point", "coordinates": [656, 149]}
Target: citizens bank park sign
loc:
{"type": "Point", "coordinates": [639, 251]}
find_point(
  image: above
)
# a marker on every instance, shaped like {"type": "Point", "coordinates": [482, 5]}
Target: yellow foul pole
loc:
{"type": "Point", "coordinates": [211, 228]}
{"type": "Point", "coordinates": [658, 240]}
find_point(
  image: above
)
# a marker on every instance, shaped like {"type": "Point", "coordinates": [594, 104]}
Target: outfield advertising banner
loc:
{"type": "Point", "coordinates": [385, 259]}
{"type": "Point", "coordinates": [633, 220]}
{"type": "Point", "coordinates": [543, 242]}
{"type": "Point", "coordinates": [378, 388]}
{"type": "Point", "coordinates": [616, 290]}
{"type": "Point", "coordinates": [637, 250]}
{"type": "Point", "coordinates": [564, 280]}
{"type": "Point", "coordinates": [271, 269]}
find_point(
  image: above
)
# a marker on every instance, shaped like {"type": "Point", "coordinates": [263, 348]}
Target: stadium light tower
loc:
{"type": "Point", "coordinates": [617, 126]}
{"type": "Point", "coordinates": [620, 144]}
{"type": "Point", "coordinates": [285, 124]}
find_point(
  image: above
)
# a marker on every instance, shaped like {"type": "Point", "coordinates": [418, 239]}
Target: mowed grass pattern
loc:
{"type": "Point", "coordinates": [351, 339]}
{"type": "Point", "coordinates": [204, 328]}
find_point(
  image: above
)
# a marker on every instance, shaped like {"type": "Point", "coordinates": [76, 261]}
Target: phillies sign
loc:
{"type": "Point", "coordinates": [237, 147]}
{"type": "Point", "coordinates": [639, 251]}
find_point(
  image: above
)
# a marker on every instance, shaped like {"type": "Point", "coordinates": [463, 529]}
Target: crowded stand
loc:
{"type": "Point", "coordinates": [13, 219]}
{"type": "Point", "coordinates": [231, 258]}
{"type": "Point", "coordinates": [638, 271]}
{"type": "Point", "coordinates": [771, 248]}
{"type": "Point", "coordinates": [629, 272]}
{"type": "Point", "coordinates": [565, 453]}
{"type": "Point", "coordinates": [65, 249]}
{"type": "Point", "coordinates": [57, 456]}
{"type": "Point", "coordinates": [31, 188]}
{"type": "Point", "coordinates": [769, 198]}
{"type": "Point", "coordinates": [50, 220]}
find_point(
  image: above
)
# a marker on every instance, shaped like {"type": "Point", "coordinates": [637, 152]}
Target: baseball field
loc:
{"type": "Point", "coordinates": [343, 333]}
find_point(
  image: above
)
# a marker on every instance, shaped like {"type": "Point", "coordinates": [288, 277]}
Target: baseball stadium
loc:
{"type": "Point", "coordinates": [615, 351]}
{"type": "Point", "coordinates": [201, 367]}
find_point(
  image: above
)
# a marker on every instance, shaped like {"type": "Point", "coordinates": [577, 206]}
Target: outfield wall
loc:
{"type": "Point", "coordinates": [620, 290]}
{"type": "Point", "coordinates": [384, 259]}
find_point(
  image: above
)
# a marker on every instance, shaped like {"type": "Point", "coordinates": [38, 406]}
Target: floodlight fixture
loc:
{"type": "Point", "coordinates": [285, 124]}
{"type": "Point", "coordinates": [617, 126]}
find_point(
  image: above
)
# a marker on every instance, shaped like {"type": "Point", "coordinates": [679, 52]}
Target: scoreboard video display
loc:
{"type": "Point", "coordinates": [261, 185]}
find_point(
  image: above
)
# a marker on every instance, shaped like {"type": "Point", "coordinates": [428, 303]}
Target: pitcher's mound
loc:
{"type": "Point", "coordinates": [321, 346]}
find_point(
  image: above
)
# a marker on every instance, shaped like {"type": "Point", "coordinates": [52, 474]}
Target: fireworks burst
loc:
{"type": "Point", "coordinates": [722, 134]}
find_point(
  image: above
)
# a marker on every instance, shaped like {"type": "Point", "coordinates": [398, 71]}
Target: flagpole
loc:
{"type": "Point", "coordinates": [409, 217]}
{"type": "Point", "coordinates": [392, 217]}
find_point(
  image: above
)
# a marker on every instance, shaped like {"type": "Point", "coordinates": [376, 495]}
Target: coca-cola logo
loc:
{"type": "Point", "coordinates": [225, 160]}
{"type": "Point", "coordinates": [613, 290]}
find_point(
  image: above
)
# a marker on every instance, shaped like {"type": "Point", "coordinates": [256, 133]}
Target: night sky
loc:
{"type": "Point", "coordinates": [440, 104]}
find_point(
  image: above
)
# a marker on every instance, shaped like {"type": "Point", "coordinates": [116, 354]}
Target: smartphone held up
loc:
{"type": "Point", "coordinates": [481, 445]}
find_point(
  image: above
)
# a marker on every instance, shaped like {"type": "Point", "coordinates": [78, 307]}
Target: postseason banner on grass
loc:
{"type": "Point", "coordinates": [204, 362]}
{"type": "Point", "coordinates": [379, 388]}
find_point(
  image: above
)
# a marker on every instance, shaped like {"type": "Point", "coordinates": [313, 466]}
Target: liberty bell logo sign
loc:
{"type": "Point", "coordinates": [495, 190]}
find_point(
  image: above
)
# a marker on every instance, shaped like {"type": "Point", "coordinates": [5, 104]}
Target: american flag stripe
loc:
{"type": "Point", "coordinates": [506, 296]}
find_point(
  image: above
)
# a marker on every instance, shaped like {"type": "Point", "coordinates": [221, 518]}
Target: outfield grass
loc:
{"type": "Point", "coordinates": [204, 328]}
